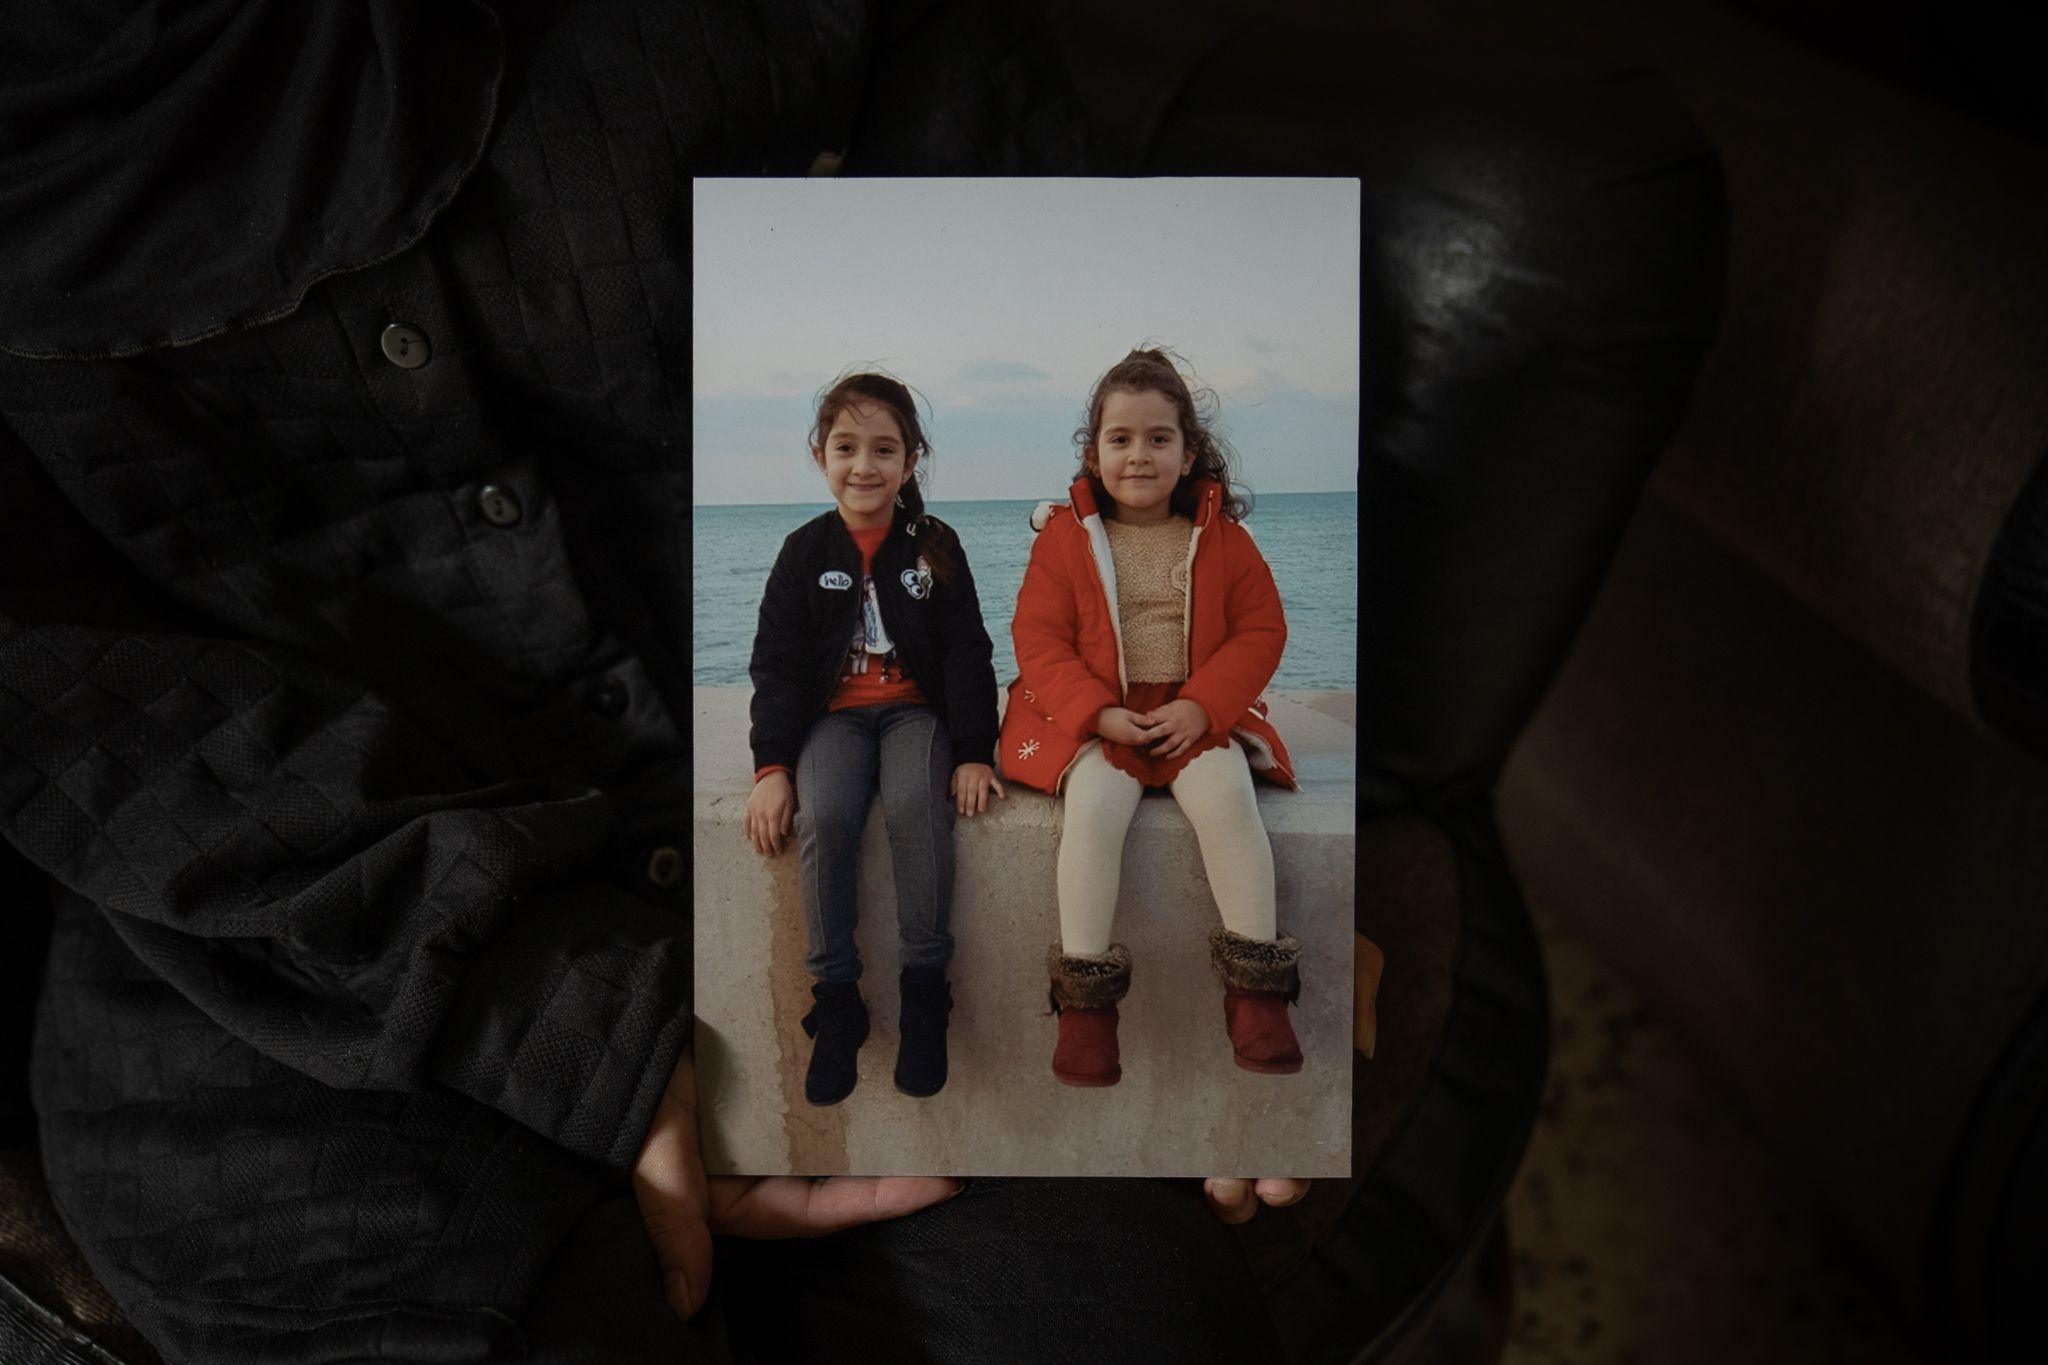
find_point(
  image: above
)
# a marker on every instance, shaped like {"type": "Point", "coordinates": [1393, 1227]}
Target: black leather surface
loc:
{"type": "Point", "coordinates": [2009, 654]}
{"type": "Point", "coordinates": [31, 1334]}
{"type": "Point", "coordinates": [1987, 1253]}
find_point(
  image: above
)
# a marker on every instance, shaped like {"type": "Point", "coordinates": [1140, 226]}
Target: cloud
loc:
{"type": "Point", "coordinates": [991, 373]}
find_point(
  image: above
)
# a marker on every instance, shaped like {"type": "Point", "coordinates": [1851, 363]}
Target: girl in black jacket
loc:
{"type": "Point", "coordinates": [871, 671]}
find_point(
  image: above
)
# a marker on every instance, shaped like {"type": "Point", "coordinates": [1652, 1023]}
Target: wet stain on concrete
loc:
{"type": "Point", "coordinates": [816, 1138]}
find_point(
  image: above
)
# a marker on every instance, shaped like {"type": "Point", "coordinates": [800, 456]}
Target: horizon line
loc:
{"type": "Point", "coordinates": [827, 502]}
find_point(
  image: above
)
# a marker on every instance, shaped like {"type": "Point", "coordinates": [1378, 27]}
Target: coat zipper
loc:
{"type": "Point", "coordinates": [837, 667]}
{"type": "Point", "coordinates": [1187, 601]}
{"type": "Point", "coordinates": [1105, 583]}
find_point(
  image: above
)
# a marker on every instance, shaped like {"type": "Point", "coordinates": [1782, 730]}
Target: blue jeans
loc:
{"type": "Point", "coordinates": [902, 750]}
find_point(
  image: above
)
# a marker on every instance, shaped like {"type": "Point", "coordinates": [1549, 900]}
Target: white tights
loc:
{"type": "Point", "coordinates": [1214, 792]}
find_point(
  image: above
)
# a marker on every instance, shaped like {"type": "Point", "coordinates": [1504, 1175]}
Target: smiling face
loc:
{"type": "Point", "coordinates": [865, 462]}
{"type": "Point", "coordinates": [1140, 454]}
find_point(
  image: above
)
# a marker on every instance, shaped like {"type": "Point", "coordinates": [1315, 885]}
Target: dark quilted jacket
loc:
{"type": "Point", "coordinates": [342, 702]}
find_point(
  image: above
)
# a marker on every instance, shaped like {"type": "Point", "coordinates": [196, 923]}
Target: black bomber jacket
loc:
{"type": "Point", "coordinates": [812, 607]}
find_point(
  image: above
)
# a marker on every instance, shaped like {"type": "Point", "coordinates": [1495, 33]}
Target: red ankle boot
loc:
{"type": "Point", "coordinates": [1260, 979]}
{"type": "Point", "coordinates": [1259, 1032]}
{"type": "Point", "coordinates": [1084, 994]}
{"type": "Point", "coordinates": [1086, 1053]}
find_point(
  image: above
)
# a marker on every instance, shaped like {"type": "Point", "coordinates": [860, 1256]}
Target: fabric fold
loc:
{"type": "Point", "coordinates": [195, 166]}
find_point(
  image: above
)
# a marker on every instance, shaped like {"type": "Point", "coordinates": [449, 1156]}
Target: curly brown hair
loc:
{"type": "Point", "coordinates": [887, 391]}
{"type": "Point", "coordinates": [1157, 370]}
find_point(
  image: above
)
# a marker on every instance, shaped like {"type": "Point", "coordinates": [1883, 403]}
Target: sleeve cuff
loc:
{"type": "Point", "coordinates": [1218, 724]}
{"type": "Point", "coordinates": [1079, 721]}
{"type": "Point", "coordinates": [571, 1020]}
{"type": "Point", "coordinates": [768, 768]}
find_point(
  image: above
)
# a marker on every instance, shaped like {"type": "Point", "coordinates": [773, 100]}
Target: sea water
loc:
{"type": "Point", "coordinates": [1309, 539]}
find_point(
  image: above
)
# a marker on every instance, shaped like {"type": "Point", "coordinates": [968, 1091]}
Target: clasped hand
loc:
{"type": "Point", "coordinates": [1165, 731]}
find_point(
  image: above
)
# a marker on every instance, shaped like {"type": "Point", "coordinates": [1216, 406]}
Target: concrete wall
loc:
{"type": "Point", "coordinates": [1182, 1108]}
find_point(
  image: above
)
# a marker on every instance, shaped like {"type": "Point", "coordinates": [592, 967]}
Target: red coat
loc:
{"type": "Point", "coordinates": [1070, 655]}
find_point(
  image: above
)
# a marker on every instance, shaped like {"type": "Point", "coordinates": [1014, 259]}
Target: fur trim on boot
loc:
{"type": "Point", "coordinates": [1088, 983]}
{"type": "Point", "coordinates": [1260, 980]}
{"type": "Point", "coordinates": [1084, 993]}
{"type": "Point", "coordinates": [1254, 965]}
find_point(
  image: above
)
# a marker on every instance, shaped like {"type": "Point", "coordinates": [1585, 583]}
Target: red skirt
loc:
{"type": "Point", "coordinates": [1140, 763]}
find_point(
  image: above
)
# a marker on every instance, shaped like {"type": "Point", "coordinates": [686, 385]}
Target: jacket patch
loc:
{"type": "Point", "coordinates": [835, 578]}
{"type": "Point", "coordinates": [918, 581]}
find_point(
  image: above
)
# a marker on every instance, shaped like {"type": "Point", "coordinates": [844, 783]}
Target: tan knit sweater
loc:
{"type": "Point", "coordinates": [1151, 596]}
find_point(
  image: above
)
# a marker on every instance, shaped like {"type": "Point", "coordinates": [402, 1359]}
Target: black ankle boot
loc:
{"type": "Point", "coordinates": [921, 1044]}
{"type": "Point", "coordinates": [838, 1024]}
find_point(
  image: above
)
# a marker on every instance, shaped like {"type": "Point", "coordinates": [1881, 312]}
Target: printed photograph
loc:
{"type": "Point", "coordinates": [1025, 550]}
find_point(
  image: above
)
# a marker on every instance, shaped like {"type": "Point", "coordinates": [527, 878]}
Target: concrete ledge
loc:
{"type": "Point", "coordinates": [1183, 1107]}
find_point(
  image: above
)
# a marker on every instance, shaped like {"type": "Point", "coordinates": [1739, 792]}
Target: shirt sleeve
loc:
{"type": "Point", "coordinates": [1255, 634]}
{"type": "Point", "coordinates": [776, 667]}
{"type": "Point", "coordinates": [970, 668]}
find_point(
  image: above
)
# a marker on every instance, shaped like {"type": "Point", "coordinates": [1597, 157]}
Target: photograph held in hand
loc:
{"type": "Point", "coordinates": [1024, 820]}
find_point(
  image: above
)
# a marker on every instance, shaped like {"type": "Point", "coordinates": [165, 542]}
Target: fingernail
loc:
{"type": "Point", "coordinates": [959, 1186]}
{"type": "Point", "coordinates": [675, 1288]}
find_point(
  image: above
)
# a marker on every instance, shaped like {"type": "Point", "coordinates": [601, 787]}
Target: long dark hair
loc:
{"type": "Point", "coordinates": [871, 387]}
{"type": "Point", "coordinates": [1159, 371]}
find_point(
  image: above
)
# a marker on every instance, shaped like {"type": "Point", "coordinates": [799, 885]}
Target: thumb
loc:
{"type": "Point", "coordinates": [668, 1183]}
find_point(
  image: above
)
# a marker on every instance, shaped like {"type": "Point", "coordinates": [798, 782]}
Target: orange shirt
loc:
{"type": "Point", "coordinates": [882, 680]}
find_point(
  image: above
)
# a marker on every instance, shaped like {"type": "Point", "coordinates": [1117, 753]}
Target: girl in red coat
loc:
{"type": "Point", "coordinates": [1146, 627]}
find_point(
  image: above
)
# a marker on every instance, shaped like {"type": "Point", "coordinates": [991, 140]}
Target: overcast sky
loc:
{"type": "Point", "coordinates": [1001, 301]}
